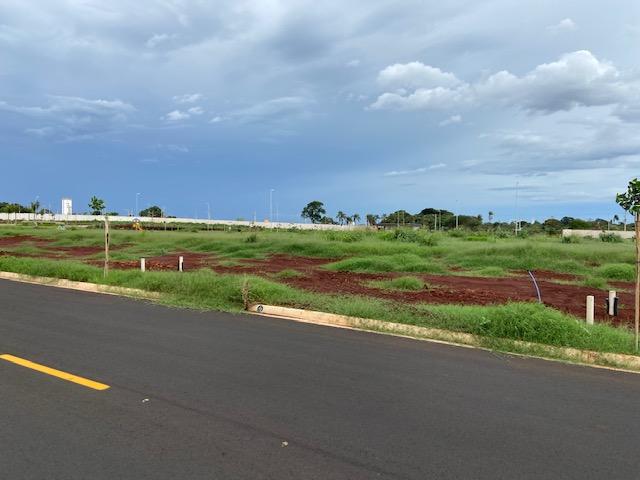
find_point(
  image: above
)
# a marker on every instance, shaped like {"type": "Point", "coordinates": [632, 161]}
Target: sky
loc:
{"type": "Point", "coordinates": [527, 108]}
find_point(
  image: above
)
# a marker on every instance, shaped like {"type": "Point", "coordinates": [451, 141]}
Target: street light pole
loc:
{"type": "Point", "coordinates": [271, 205]}
{"type": "Point", "coordinates": [135, 214]}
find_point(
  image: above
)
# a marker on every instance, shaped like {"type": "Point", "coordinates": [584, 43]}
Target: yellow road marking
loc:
{"type": "Point", "coordinates": [55, 373]}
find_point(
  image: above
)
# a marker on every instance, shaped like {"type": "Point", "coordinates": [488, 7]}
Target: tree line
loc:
{"type": "Point", "coordinates": [442, 219]}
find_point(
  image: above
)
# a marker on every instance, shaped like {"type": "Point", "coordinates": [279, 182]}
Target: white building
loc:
{"type": "Point", "coordinates": [67, 206]}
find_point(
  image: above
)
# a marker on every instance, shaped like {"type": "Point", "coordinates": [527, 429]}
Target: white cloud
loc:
{"type": "Point", "coordinates": [41, 132]}
{"type": "Point", "coordinates": [75, 118]}
{"type": "Point", "coordinates": [453, 119]}
{"type": "Point", "coordinates": [73, 108]}
{"type": "Point", "coordinates": [438, 98]}
{"type": "Point", "coordinates": [398, 173]}
{"type": "Point", "coordinates": [353, 63]}
{"type": "Point", "coordinates": [188, 98]}
{"type": "Point", "coordinates": [575, 79]}
{"type": "Point", "coordinates": [216, 119]}
{"type": "Point", "coordinates": [276, 108]}
{"type": "Point", "coordinates": [176, 116]}
{"type": "Point", "coordinates": [196, 111]}
{"type": "Point", "coordinates": [415, 75]}
{"type": "Point", "coordinates": [158, 39]}
{"type": "Point", "coordinates": [565, 25]}
{"type": "Point", "coordinates": [172, 147]}
{"type": "Point", "coordinates": [531, 153]}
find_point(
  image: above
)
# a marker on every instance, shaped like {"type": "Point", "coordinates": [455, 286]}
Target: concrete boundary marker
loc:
{"type": "Point", "coordinates": [82, 286]}
{"type": "Point", "coordinates": [607, 360]}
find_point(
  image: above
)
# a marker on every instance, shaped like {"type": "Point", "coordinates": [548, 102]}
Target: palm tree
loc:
{"type": "Point", "coordinates": [341, 217]}
{"type": "Point", "coordinates": [491, 216]}
{"type": "Point", "coordinates": [355, 217]}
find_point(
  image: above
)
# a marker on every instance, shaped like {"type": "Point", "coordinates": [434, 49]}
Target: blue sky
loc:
{"type": "Point", "coordinates": [368, 106]}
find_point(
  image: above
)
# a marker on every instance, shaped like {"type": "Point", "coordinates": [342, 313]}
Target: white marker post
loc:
{"type": "Point", "coordinates": [612, 303]}
{"type": "Point", "coordinates": [591, 304]}
{"type": "Point", "coordinates": [180, 264]}
{"type": "Point", "coordinates": [143, 265]}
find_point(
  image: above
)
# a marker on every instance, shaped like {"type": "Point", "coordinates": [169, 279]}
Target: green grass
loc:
{"type": "Point", "coordinates": [205, 289]}
{"type": "Point", "coordinates": [400, 283]}
{"type": "Point", "coordinates": [395, 250]}
{"type": "Point", "coordinates": [596, 263]}
{"type": "Point", "coordinates": [406, 262]}
{"type": "Point", "coordinates": [288, 273]}
{"type": "Point", "coordinates": [618, 271]}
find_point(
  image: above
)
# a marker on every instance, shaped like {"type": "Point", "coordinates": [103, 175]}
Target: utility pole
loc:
{"type": "Point", "coordinates": [135, 214]}
{"type": "Point", "coordinates": [271, 204]}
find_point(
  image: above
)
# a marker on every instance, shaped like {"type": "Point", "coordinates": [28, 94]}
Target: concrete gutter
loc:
{"type": "Point", "coordinates": [617, 361]}
{"type": "Point", "coordinates": [82, 286]}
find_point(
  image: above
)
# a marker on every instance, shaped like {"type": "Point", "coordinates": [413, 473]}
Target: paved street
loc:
{"type": "Point", "coordinates": [205, 395]}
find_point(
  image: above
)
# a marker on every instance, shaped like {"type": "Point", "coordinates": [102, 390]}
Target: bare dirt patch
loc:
{"type": "Point", "coordinates": [443, 289]}
{"type": "Point", "coordinates": [169, 262]}
{"type": "Point", "coordinates": [17, 240]}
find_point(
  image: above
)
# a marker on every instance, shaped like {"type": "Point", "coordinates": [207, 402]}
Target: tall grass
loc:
{"type": "Point", "coordinates": [206, 289]}
{"type": "Point", "coordinates": [401, 250]}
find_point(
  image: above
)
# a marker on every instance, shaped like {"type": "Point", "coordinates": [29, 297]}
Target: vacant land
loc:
{"type": "Point", "coordinates": [466, 282]}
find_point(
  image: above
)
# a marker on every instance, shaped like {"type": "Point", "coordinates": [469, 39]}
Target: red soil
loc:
{"type": "Point", "coordinates": [453, 289]}
{"type": "Point", "coordinates": [192, 261]}
{"type": "Point", "coordinates": [442, 289]}
{"type": "Point", "coordinates": [15, 240]}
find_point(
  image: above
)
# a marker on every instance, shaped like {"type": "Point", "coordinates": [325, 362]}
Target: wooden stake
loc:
{"type": "Point", "coordinates": [106, 245]}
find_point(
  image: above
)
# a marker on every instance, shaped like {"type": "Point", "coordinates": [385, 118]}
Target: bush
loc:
{"type": "Point", "coordinates": [571, 239]}
{"type": "Point", "coordinates": [252, 238]}
{"type": "Point", "coordinates": [457, 233]}
{"type": "Point", "coordinates": [610, 237]}
{"type": "Point", "coordinates": [347, 237]}
{"type": "Point", "coordinates": [477, 238]}
{"type": "Point", "coordinates": [617, 271]}
{"type": "Point", "coordinates": [386, 263]}
{"type": "Point", "coordinates": [407, 235]}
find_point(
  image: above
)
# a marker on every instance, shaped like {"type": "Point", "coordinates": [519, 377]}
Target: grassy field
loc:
{"type": "Point", "coordinates": [359, 251]}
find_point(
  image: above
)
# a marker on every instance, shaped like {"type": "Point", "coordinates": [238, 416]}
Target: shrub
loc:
{"type": "Point", "coordinates": [610, 237]}
{"type": "Point", "coordinates": [252, 238]}
{"type": "Point", "coordinates": [347, 237]}
{"type": "Point", "coordinates": [571, 239]}
{"type": "Point", "coordinates": [407, 235]}
{"type": "Point", "coordinates": [617, 271]}
{"type": "Point", "coordinates": [477, 238]}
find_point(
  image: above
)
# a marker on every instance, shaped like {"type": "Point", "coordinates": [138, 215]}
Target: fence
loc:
{"type": "Point", "coordinates": [49, 217]}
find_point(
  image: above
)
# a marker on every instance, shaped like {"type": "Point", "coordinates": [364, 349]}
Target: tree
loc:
{"type": "Point", "coordinates": [372, 219]}
{"type": "Point", "coordinates": [314, 211]}
{"type": "Point", "coordinates": [33, 206]}
{"type": "Point", "coordinates": [153, 211]}
{"type": "Point", "coordinates": [490, 216]}
{"type": "Point", "coordinates": [355, 217]}
{"type": "Point", "coordinates": [341, 217]}
{"type": "Point", "coordinates": [96, 205]}
{"type": "Point", "coordinates": [630, 202]}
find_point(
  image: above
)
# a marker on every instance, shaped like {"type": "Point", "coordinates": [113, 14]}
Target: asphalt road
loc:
{"type": "Point", "coordinates": [217, 396]}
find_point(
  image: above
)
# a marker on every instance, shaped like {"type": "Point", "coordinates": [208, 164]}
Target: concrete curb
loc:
{"type": "Point", "coordinates": [82, 286]}
{"type": "Point", "coordinates": [618, 361]}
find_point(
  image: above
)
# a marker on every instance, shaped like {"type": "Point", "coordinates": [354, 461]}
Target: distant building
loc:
{"type": "Point", "coordinates": [67, 206]}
